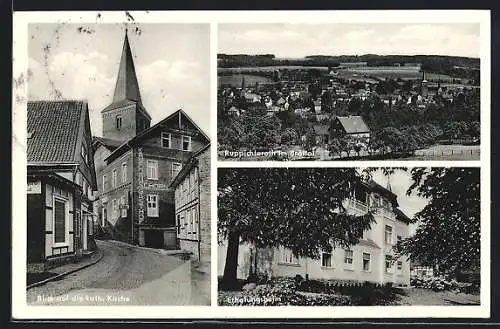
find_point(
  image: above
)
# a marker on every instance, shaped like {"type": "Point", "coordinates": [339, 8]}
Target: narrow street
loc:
{"type": "Point", "coordinates": [126, 275]}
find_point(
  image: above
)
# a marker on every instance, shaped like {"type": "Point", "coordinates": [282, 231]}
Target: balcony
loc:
{"type": "Point", "coordinates": [358, 205]}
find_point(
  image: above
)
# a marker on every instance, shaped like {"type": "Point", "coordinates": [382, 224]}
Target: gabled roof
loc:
{"type": "Point", "coordinates": [374, 186]}
{"type": "Point", "coordinates": [54, 130]}
{"type": "Point", "coordinates": [110, 144]}
{"type": "Point", "coordinates": [401, 216]}
{"type": "Point", "coordinates": [187, 167]}
{"type": "Point", "coordinates": [353, 124]}
{"type": "Point", "coordinates": [126, 145]}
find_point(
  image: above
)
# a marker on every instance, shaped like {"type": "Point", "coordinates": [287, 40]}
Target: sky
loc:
{"type": "Point", "coordinates": [400, 181]}
{"type": "Point", "coordinates": [172, 62]}
{"type": "Point", "coordinates": [299, 40]}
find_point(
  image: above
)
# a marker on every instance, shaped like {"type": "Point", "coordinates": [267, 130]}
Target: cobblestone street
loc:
{"type": "Point", "coordinates": [127, 275]}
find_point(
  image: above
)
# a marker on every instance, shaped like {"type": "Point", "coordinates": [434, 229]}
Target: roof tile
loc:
{"type": "Point", "coordinates": [53, 129]}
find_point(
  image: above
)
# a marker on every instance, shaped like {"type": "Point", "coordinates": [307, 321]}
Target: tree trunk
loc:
{"type": "Point", "coordinates": [229, 279]}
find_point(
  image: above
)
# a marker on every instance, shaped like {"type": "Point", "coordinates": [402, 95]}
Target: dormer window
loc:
{"type": "Point", "coordinates": [166, 140]}
{"type": "Point", "coordinates": [186, 143]}
{"type": "Point", "coordinates": [118, 122]}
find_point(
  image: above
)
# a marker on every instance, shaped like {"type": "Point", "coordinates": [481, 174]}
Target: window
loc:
{"type": "Point", "coordinates": [84, 154]}
{"type": "Point", "coordinates": [288, 257]}
{"type": "Point", "coordinates": [104, 214]}
{"type": "Point", "coordinates": [326, 259]}
{"type": "Point", "coordinates": [84, 187]}
{"type": "Point", "coordinates": [152, 169]}
{"type": "Point", "coordinates": [115, 208]}
{"type": "Point", "coordinates": [60, 217]}
{"type": "Point", "coordinates": [388, 234]}
{"type": "Point", "coordinates": [194, 220]}
{"type": "Point", "coordinates": [178, 224]}
{"type": "Point", "coordinates": [348, 256]}
{"type": "Point", "coordinates": [388, 264]}
{"type": "Point", "coordinates": [124, 172]}
{"type": "Point", "coordinates": [118, 122]}
{"type": "Point", "coordinates": [113, 180]}
{"type": "Point", "coordinates": [366, 262]}
{"type": "Point", "coordinates": [399, 238]}
{"type": "Point", "coordinates": [104, 177]}
{"type": "Point", "coordinates": [123, 208]}
{"type": "Point", "coordinates": [152, 201]}
{"type": "Point", "coordinates": [186, 143]}
{"type": "Point", "coordinates": [176, 168]}
{"type": "Point", "coordinates": [166, 140]}
{"type": "Point", "coordinates": [400, 267]}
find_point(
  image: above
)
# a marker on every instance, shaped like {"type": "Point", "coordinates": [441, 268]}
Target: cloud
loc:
{"type": "Point", "coordinates": [350, 39]}
{"type": "Point", "coordinates": [165, 86]}
{"type": "Point", "coordinates": [169, 86]}
{"type": "Point", "coordinates": [74, 76]}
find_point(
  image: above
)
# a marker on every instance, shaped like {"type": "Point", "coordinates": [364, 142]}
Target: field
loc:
{"type": "Point", "coordinates": [384, 72]}
{"type": "Point", "coordinates": [353, 73]}
{"type": "Point", "coordinates": [448, 152]}
{"type": "Point", "coordinates": [235, 80]}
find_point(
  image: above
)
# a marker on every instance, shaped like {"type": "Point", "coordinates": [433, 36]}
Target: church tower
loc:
{"type": "Point", "coordinates": [125, 117]}
{"type": "Point", "coordinates": [424, 86]}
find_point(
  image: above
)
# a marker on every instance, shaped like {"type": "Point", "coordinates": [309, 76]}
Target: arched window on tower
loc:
{"type": "Point", "coordinates": [118, 122]}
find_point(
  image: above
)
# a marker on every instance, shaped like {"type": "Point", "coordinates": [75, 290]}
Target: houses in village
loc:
{"type": "Point", "coordinates": [136, 164]}
{"type": "Point", "coordinates": [61, 183]}
{"type": "Point", "coordinates": [372, 259]}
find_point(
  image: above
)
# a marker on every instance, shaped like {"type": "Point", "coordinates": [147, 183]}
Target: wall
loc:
{"type": "Point", "coordinates": [128, 129]}
{"type": "Point", "coordinates": [205, 203]}
{"type": "Point", "coordinates": [120, 228]}
{"type": "Point", "coordinates": [374, 244]}
{"type": "Point", "coordinates": [100, 154]}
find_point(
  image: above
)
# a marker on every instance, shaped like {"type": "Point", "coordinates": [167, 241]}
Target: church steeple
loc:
{"type": "Point", "coordinates": [127, 87]}
{"type": "Point", "coordinates": [125, 117]}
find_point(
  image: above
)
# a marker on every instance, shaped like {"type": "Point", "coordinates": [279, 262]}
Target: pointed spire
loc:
{"type": "Point", "coordinates": [127, 87]}
{"type": "Point", "coordinates": [389, 184]}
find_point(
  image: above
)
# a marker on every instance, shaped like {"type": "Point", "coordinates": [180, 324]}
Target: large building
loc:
{"type": "Point", "coordinates": [192, 205]}
{"type": "Point", "coordinates": [372, 259]}
{"type": "Point", "coordinates": [136, 164]}
{"type": "Point", "coordinates": [61, 183]}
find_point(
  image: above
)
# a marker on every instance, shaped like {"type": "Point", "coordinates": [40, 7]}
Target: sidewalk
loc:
{"type": "Point", "coordinates": [66, 269]}
{"type": "Point", "coordinates": [174, 252]}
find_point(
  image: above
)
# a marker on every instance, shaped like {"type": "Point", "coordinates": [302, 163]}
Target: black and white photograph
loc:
{"type": "Point", "coordinates": [350, 177]}
{"type": "Point", "coordinates": [344, 91]}
{"type": "Point", "coordinates": [349, 236]}
{"type": "Point", "coordinates": [118, 164]}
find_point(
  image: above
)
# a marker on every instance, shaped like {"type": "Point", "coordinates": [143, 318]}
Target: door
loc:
{"type": "Point", "coordinates": [153, 238]}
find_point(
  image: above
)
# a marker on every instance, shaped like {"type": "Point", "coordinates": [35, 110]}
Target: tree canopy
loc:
{"type": "Point", "coordinates": [448, 234]}
{"type": "Point", "coordinates": [298, 208]}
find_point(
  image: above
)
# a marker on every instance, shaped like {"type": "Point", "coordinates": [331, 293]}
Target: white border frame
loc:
{"type": "Point", "coordinates": [20, 310]}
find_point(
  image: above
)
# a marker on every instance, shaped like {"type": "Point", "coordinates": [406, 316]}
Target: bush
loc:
{"type": "Point", "coordinates": [279, 292]}
{"type": "Point", "coordinates": [259, 278]}
{"type": "Point", "coordinates": [435, 283]}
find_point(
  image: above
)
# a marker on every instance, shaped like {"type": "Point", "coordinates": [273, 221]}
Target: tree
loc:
{"type": "Point", "coordinates": [299, 208]}
{"type": "Point", "coordinates": [449, 231]}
